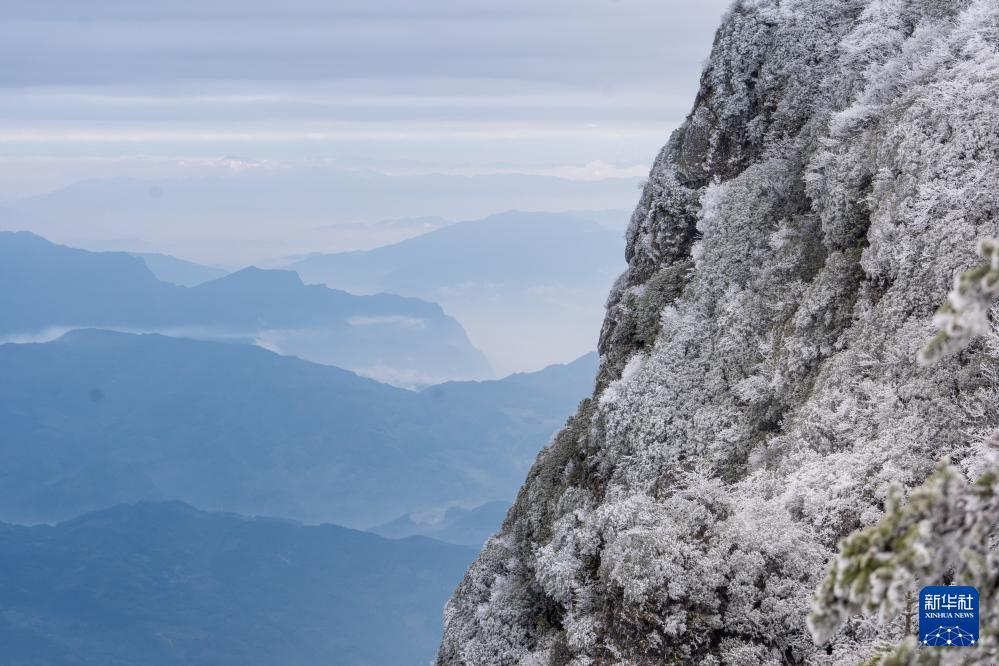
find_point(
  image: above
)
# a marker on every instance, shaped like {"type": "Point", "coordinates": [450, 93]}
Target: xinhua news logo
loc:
{"type": "Point", "coordinates": [948, 616]}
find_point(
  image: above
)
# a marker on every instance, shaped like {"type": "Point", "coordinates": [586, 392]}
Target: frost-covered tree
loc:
{"type": "Point", "coordinates": [759, 397]}
{"type": "Point", "coordinates": [966, 312]}
{"type": "Point", "coordinates": [945, 533]}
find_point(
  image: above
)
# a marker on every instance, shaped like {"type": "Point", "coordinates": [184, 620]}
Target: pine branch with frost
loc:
{"type": "Point", "coordinates": [946, 530]}
{"type": "Point", "coordinates": [965, 315]}
{"type": "Point", "coordinates": [943, 533]}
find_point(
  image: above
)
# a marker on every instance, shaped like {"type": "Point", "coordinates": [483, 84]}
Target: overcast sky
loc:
{"type": "Point", "coordinates": [579, 88]}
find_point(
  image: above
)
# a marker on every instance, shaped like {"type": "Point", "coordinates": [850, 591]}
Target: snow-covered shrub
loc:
{"type": "Point", "coordinates": [759, 397]}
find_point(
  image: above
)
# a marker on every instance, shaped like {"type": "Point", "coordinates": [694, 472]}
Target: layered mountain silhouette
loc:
{"type": "Point", "coordinates": [97, 418]}
{"type": "Point", "coordinates": [402, 340]}
{"type": "Point", "coordinates": [509, 278]}
{"type": "Point", "coordinates": [167, 585]}
{"type": "Point", "coordinates": [178, 271]}
{"type": "Point", "coordinates": [198, 217]}
{"type": "Point", "coordinates": [470, 527]}
{"type": "Point", "coordinates": [479, 251]}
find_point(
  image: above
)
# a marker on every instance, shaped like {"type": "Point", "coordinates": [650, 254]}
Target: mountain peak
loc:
{"type": "Point", "coordinates": [252, 277]}
{"type": "Point", "coordinates": [407, 341]}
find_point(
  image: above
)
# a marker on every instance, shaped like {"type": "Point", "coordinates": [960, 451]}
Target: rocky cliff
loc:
{"type": "Point", "coordinates": [759, 392]}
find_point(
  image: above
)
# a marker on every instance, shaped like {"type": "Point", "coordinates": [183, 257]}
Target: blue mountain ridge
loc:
{"type": "Point", "coordinates": [403, 340]}
{"type": "Point", "coordinates": [163, 584]}
{"type": "Point", "coordinates": [97, 418]}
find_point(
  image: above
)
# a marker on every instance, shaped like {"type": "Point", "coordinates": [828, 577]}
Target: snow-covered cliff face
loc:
{"type": "Point", "coordinates": [759, 391]}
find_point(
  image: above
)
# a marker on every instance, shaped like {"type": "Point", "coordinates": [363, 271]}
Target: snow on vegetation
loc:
{"type": "Point", "coordinates": [760, 398]}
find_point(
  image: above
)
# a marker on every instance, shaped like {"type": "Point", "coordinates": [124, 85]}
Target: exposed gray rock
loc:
{"type": "Point", "coordinates": [759, 391]}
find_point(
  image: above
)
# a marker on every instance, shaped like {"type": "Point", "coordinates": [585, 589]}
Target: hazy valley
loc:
{"type": "Point", "coordinates": [149, 404]}
{"type": "Point", "coordinates": [499, 334]}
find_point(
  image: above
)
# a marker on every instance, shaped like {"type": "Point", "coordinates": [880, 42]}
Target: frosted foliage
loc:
{"type": "Point", "coordinates": [965, 315]}
{"type": "Point", "coordinates": [759, 395]}
{"type": "Point", "coordinates": [880, 570]}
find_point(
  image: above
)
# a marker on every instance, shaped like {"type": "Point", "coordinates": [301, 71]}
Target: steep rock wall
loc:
{"type": "Point", "coordinates": [758, 392]}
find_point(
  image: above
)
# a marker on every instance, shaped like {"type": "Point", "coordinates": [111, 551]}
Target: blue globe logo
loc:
{"type": "Point", "coordinates": [942, 636]}
{"type": "Point", "coordinates": [948, 616]}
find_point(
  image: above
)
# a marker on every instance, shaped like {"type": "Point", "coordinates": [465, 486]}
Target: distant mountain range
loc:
{"type": "Point", "coordinates": [406, 341]}
{"type": "Point", "coordinates": [179, 272]}
{"type": "Point", "coordinates": [97, 418]}
{"type": "Point", "coordinates": [514, 248]}
{"type": "Point", "coordinates": [528, 287]}
{"type": "Point", "coordinates": [469, 527]}
{"type": "Point", "coordinates": [275, 212]}
{"type": "Point", "coordinates": [167, 585]}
